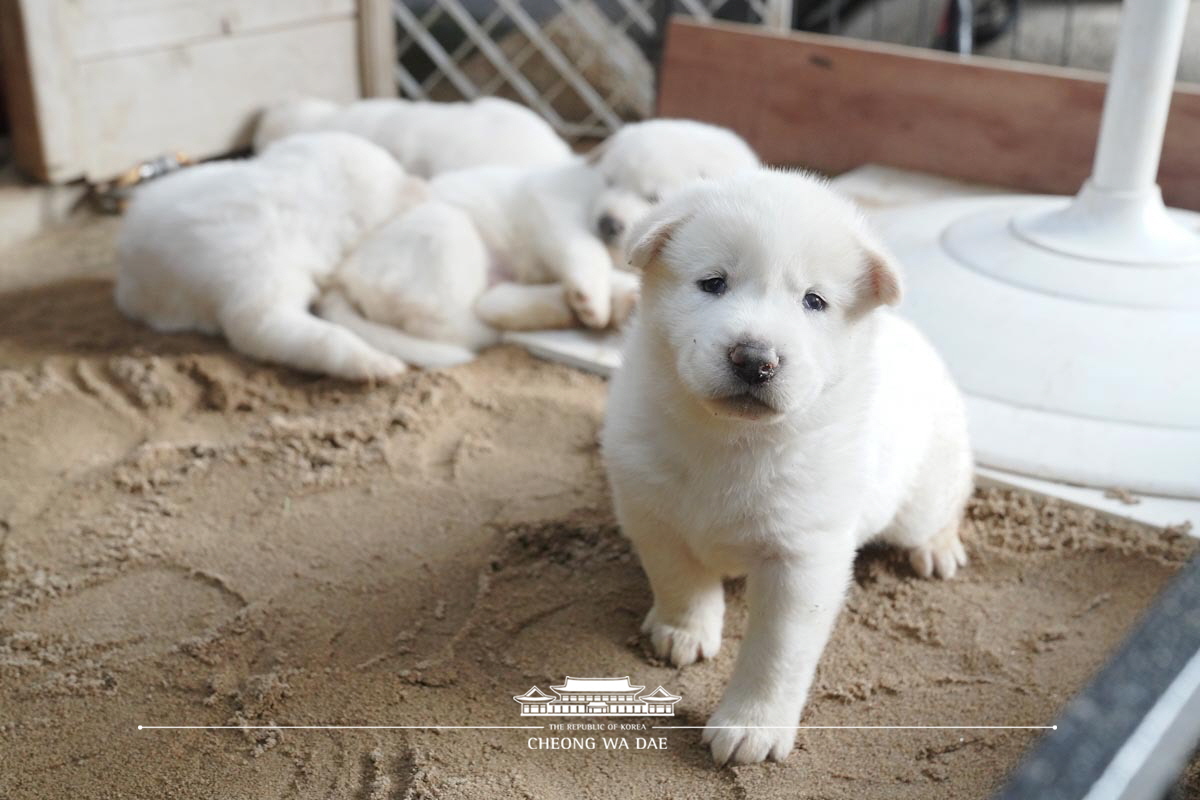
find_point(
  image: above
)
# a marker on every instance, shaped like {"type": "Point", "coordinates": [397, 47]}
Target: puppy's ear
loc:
{"type": "Point", "coordinates": [879, 282]}
{"type": "Point", "coordinates": [652, 232]}
{"type": "Point", "coordinates": [650, 238]}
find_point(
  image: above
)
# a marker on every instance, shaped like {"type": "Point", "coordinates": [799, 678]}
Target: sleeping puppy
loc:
{"type": "Point", "coordinates": [770, 418]}
{"type": "Point", "coordinates": [533, 224]}
{"type": "Point", "coordinates": [543, 226]}
{"type": "Point", "coordinates": [242, 248]}
{"type": "Point", "coordinates": [640, 164]}
{"type": "Point", "coordinates": [410, 286]}
{"type": "Point", "coordinates": [504, 248]}
{"type": "Point", "coordinates": [484, 253]}
{"type": "Point", "coordinates": [426, 138]}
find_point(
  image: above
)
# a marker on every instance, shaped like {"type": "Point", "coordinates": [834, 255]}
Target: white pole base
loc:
{"type": "Point", "coordinates": [1084, 371]}
{"type": "Point", "coordinates": [1130, 228]}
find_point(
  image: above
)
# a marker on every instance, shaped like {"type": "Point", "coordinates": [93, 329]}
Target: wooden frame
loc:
{"type": "Point", "coordinates": [833, 104]}
{"type": "Point", "coordinates": [377, 48]}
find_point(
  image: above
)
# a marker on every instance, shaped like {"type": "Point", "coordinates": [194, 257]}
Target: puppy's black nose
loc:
{"type": "Point", "coordinates": [754, 362]}
{"type": "Point", "coordinates": [609, 227]}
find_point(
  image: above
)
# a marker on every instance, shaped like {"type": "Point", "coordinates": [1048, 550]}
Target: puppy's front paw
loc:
{"type": "Point", "coordinates": [750, 735]}
{"type": "Point", "coordinates": [592, 310]}
{"type": "Point", "coordinates": [684, 643]}
{"type": "Point", "coordinates": [941, 556]}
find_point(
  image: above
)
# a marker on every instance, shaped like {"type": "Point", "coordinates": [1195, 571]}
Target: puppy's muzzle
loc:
{"type": "Point", "coordinates": [754, 362]}
{"type": "Point", "coordinates": [609, 228]}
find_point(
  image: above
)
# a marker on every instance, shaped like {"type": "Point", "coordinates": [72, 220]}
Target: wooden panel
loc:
{"type": "Point", "coordinates": [202, 98]}
{"type": "Point", "coordinates": [830, 104]}
{"type": "Point", "coordinates": [108, 27]}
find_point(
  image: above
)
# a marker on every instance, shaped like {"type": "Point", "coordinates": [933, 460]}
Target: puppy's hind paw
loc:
{"type": "Point", "coordinates": [681, 645]}
{"type": "Point", "coordinates": [941, 556]}
{"type": "Point", "coordinates": [375, 368]}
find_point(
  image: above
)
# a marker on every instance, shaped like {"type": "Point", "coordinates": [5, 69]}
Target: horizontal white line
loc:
{"type": "Point", "coordinates": [336, 727]}
{"type": "Point", "coordinates": [867, 727]}
{"type": "Point", "coordinates": [542, 727]}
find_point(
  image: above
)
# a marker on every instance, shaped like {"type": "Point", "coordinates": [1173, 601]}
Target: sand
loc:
{"type": "Point", "coordinates": [190, 538]}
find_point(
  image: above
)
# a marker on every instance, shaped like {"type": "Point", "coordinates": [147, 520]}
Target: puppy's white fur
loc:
{"type": "Point", "coordinates": [859, 435]}
{"type": "Point", "coordinates": [243, 248]}
{"type": "Point", "coordinates": [426, 138]}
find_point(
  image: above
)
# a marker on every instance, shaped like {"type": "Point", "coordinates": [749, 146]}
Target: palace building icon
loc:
{"type": "Point", "coordinates": [597, 697]}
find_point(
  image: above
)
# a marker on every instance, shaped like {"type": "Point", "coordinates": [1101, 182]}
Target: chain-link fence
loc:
{"type": "Point", "coordinates": [587, 65]}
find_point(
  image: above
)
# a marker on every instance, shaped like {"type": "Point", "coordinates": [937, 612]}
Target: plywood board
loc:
{"type": "Point", "coordinates": [202, 98]}
{"type": "Point", "coordinates": [97, 86]}
{"type": "Point", "coordinates": [833, 104]}
{"type": "Point", "coordinates": [101, 28]}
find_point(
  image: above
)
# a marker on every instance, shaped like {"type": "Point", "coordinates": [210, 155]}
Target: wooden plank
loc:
{"type": "Point", "coordinates": [40, 81]}
{"type": "Point", "coordinates": [831, 104]}
{"type": "Point", "coordinates": [101, 28]}
{"type": "Point", "coordinates": [377, 48]}
{"type": "Point", "coordinates": [202, 98]}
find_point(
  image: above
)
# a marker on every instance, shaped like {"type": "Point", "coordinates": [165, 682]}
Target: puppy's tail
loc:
{"type": "Point", "coordinates": [336, 308]}
{"type": "Point", "coordinates": [424, 353]}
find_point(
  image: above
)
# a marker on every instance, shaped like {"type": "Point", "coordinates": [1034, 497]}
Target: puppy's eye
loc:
{"type": "Point", "coordinates": [814, 302]}
{"type": "Point", "coordinates": [714, 285]}
{"type": "Point", "coordinates": [651, 197]}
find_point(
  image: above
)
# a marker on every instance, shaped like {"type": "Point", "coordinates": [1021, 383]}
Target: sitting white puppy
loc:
{"type": "Point", "coordinates": [426, 138]}
{"type": "Point", "coordinates": [243, 248]}
{"type": "Point", "coordinates": [560, 225]}
{"type": "Point", "coordinates": [770, 418]}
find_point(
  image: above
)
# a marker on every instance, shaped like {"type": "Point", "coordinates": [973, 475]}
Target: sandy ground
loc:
{"type": "Point", "coordinates": [189, 538]}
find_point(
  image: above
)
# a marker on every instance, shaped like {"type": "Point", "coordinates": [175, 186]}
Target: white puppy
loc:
{"type": "Point", "coordinates": [771, 417]}
{"type": "Point", "coordinates": [244, 247]}
{"type": "Point", "coordinates": [641, 164]}
{"type": "Point", "coordinates": [426, 138]}
{"type": "Point", "coordinates": [533, 224]}
{"type": "Point", "coordinates": [556, 225]}
{"type": "Point", "coordinates": [410, 286]}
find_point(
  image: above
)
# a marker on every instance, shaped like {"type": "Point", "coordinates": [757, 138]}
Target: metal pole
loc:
{"type": "Point", "coordinates": [779, 15]}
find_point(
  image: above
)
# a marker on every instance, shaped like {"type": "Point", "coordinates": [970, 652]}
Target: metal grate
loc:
{"type": "Point", "coordinates": [584, 65]}
{"type": "Point", "coordinates": [588, 65]}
